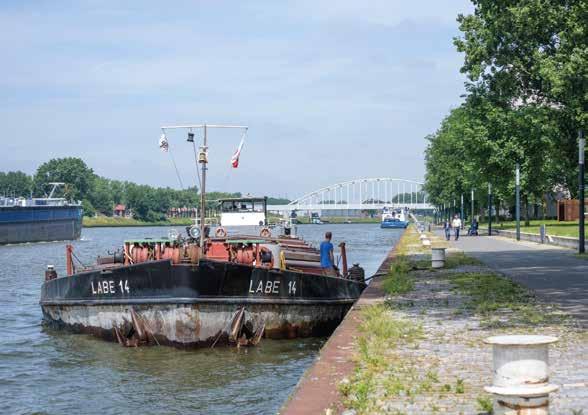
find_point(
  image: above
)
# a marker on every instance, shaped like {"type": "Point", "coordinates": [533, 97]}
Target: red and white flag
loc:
{"type": "Point", "coordinates": [235, 158]}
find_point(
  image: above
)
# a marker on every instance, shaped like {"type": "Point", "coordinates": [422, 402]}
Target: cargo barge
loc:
{"type": "Point", "coordinates": [39, 219]}
{"type": "Point", "coordinates": [161, 291]}
{"type": "Point", "coordinates": [209, 287]}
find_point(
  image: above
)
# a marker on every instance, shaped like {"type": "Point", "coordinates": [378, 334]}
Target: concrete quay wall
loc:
{"type": "Point", "coordinates": [317, 390]}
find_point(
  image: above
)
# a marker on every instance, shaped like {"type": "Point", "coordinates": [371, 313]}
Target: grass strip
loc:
{"type": "Point", "coordinates": [398, 280]}
{"type": "Point", "coordinates": [105, 221]}
{"type": "Point", "coordinates": [501, 301]}
{"type": "Point", "coordinates": [379, 369]}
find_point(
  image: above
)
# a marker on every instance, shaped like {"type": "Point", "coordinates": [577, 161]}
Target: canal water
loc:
{"type": "Point", "coordinates": [50, 372]}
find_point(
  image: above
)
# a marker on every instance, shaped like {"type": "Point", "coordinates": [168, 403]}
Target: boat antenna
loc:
{"type": "Point", "coordinates": [203, 160]}
{"type": "Point", "coordinates": [54, 184]}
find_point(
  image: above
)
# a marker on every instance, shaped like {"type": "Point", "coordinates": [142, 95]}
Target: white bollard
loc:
{"type": "Point", "coordinates": [521, 374]}
{"type": "Point", "coordinates": [437, 257]}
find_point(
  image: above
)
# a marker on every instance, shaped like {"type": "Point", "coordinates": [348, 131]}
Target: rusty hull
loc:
{"type": "Point", "coordinates": [197, 325]}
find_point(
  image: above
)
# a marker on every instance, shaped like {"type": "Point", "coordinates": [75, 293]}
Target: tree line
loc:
{"type": "Point", "coordinates": [99, 194]}
{"type": "Point", "coordinates": [526, 98]}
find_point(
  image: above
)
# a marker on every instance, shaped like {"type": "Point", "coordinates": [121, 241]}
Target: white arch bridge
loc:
{"type": "Point", "coordinates": [360, 195]}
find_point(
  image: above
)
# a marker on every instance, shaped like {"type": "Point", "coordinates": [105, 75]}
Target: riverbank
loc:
{"type": "Point", "coordinates": [108, 221]}
{"type": "Point", "coordinates": [112, 222]}
{"type": "Point", "coordinates": [414, 341]}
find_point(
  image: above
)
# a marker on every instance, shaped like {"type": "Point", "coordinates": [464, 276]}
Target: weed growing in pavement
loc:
{"type": "Point", "coordinates": [485, 404]}
{"type": "Point", "coordinates": [380, 333]}
{"type": "Point", "coordinates": [398, 280]}
{"type": "Point", "coordinates": [458, 259]}
{"type": "Point", "coordinates": [452, 260]}
{"type": "Point", "coordinates": [459, 386]}
{"type": "Point", "coordinates": [500, 301]}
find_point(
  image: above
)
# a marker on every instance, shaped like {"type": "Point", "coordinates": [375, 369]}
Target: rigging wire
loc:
{"type": "Point", "coordinates": [176, 168]}
{"type": "Point", "coordinates": [164, 146]}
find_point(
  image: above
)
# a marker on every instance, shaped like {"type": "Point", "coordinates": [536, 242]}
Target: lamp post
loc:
{"type": "Point", "coordinates": [472, 218]}
{"type": "Point", "coordinates": [489, 209]}
{"type": "Point", "coordinates": [582, 143]}
{"type": "Point", "coordinates": [461, 217]}
{"type": "Point", "coordinates": [518, 200]}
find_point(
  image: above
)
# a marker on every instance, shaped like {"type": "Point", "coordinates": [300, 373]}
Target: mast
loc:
{"type": "Point", "coordinates": [203, 160]}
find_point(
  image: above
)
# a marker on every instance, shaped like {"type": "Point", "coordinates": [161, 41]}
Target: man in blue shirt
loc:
{"type": "Point", "coordinates": [327, 259]}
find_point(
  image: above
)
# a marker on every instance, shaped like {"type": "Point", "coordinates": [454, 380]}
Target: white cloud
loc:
{"type": "Point", "coordinates": [317, 82]}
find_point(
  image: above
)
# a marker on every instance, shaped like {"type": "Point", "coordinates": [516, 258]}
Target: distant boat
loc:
{"type": "Point", "coordinates": [39, 219]}
{"type": "Point", "coordinates": [316, 220]}
{"type": "Point", "coordinates": [393, 218]}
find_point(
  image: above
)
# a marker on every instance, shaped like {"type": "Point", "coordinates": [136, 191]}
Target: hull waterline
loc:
{"type": "Point", "coordinates": [196, 305]}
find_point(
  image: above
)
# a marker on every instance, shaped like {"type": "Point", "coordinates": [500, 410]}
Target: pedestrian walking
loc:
{"type": "Point", "coordinates": [456, 225]}
{"type": "Point", "coordinates": [447, 229]}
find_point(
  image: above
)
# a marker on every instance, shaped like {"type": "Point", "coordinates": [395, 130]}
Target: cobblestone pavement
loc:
{"type": "Point", "coordinates": [445, 369]}
{"type": "Point", "coordinates": [454, 360]}
{"type": "Point", "coordinates": [553, 273]}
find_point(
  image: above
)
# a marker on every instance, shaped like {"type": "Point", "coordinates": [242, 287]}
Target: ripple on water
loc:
{"type": "Point", "coordinates": [47, 371]}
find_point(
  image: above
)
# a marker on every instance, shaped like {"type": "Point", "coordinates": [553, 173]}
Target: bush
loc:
{"type": "Point", "coordinates": [88, 208]}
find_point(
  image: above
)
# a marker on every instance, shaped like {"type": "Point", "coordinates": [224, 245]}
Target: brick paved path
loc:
{"type": "Point", "coordinates": [449, 366]}
{"type": "Point", "coordinates": [453, 350]}
{"type": "Point", "coordinates": [554, 274]}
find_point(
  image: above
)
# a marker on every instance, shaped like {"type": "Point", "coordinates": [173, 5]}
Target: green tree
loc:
{"type": "Point", "coordinates": [480, 142]}
{"type": "Point", "coordinates": [77, 176]}
{"type": "Point", "coordinates": [533, 53]}
{"type": "Point", "coordinates": [15, 183]}
{"type": "Point", "coordinates": [117, 191]}
{"type": "Point", "coordinates": [101, 196]}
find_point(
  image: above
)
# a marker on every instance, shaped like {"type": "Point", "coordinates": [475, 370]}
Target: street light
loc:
{"type": "Point", "coordinates": [518, 200]}
{"type": "Point", "coordinates": [489, 209]}
{"type": "Point", "coordinates": [582, 143]}
{"type": "Point", "coordinates": [472, 218]}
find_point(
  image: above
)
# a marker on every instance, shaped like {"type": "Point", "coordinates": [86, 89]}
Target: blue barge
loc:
{"type": "Point", "coordinates": [36, 220]}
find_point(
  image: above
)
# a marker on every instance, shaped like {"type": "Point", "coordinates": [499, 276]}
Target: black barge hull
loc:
{"type": "Point", "coordinates": [194, 305]}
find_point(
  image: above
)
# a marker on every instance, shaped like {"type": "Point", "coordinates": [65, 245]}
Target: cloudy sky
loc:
{"type": "Point", "coordinates": [331, 91]}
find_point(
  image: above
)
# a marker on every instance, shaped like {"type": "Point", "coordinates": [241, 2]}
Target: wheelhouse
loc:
{"type": "Point", "coordinates": [243, 211]}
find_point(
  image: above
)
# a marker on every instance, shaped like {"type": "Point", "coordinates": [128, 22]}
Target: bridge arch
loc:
{"type": "Point", "coordinates": [362, 194]}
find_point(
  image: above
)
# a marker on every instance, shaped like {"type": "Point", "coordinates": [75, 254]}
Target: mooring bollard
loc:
{"type": "Point", "coordinates": [437, 257]}
{"type": "Point", "coordinates": [521, 374]}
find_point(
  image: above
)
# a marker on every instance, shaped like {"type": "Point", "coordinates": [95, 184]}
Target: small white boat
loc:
{"type": "Point", "coordinates": [394, 218]}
